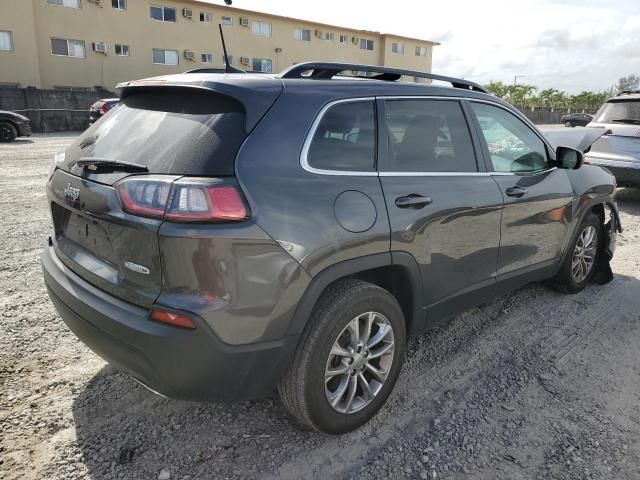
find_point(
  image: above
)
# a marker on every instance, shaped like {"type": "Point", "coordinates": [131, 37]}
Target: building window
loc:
{"type": "Point", "coordinates": [207, 58]}
{"type": "Point", "coordinates": [301, 34]}
{"type": "Point", "coordinates": [328, 36]}
{"type": "Point", "coordinates": [67, 48]}
{"type": "Point", "coordinates": [224, 62]}
{"type": "Point", "coordinates": [421, 51]}
{"type": "Point", "coordinates": [261, 28]}
{"type": "Point", "coordinates": [119, 4]}
{"type": "Point", "coordinates": [6, 41]}
{"type": "Point", "coordinates": [162, 14]}
{"type": "Point", "coordinates": [122, 50]}
{"type": "Point", "coordinates": [165, 57]}
{"type": "Point", "coordinates": [65, 3]}
{"type": "Point", "coordinates": [397, 48]}
{"type": "Point", "coordinates": [206, 17]}
{"type": "Point", "coordinates": [226, 21]}
{"type": "Point", "coordinates": [344, 38]}
{"type": "Point", "coordinates": [366, 44]}
{"type": "Point", "coordinates": [262, 65]}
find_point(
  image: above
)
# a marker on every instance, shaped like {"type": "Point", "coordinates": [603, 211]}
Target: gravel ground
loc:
{"type": "Point", "coordinates": [534, 384]}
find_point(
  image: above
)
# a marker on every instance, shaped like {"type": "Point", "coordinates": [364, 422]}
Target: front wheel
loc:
{"type": "Point", "coordinates": [348, 360]}
{"type": "Point", "coordinates": [568, 124]}
{"type": "Point", "coordinates": [581, 260]}
{"type": "Point", "coordinates": [8, 132]}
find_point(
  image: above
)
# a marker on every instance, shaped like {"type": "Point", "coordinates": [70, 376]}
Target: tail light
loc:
{"type": "Point", "coordinates": [184, 200]}
{"type": "Point", "coordinates": [175, 319]}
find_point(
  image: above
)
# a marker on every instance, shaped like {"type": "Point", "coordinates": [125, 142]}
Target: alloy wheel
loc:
{"type": "Point", "coordinates": [359, 362]}
{"type": "Point", "coordinates": [584, 254]}
{"type": "Point", "coordinates": [5, 134]}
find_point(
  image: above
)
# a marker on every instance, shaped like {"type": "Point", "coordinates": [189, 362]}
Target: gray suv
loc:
{"type": "Point", "coordinates": [220, 236]}
{"type": "Point", "coordinates": [619, 148]}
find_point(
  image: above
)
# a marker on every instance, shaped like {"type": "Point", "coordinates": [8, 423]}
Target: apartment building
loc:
{"type": "Point", "coordinates": [78, 44]}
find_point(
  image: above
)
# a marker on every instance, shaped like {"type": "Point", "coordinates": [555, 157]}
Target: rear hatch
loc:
{"type": "Point", "coordinates": [621, 119]}
{"type": "Point", "coordinates": [165, 133]}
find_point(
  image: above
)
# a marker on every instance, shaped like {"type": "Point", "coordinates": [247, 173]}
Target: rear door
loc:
{"type": "Point", "coordinates": [537, 197]}
{"type": "Point", "coordinates": [443, 208]}
{"type": "Point", "coordinates": [169, 134]}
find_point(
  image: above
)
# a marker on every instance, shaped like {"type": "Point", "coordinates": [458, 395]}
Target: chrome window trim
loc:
{"type": "Point", "coordinates": [304, 163]}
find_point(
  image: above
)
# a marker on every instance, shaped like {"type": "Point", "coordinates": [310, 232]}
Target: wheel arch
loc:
{"type": "Point", "coordinates": [390, 270]}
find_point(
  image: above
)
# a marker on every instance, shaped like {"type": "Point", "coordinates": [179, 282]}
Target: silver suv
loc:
{"type": "Point", "coordinates": [619, 148]}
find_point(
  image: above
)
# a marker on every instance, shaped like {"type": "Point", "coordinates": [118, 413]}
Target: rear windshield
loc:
{"type": "Point", "coordinates": [626, 111]}
{"type": "Point", "coordinates": [172, 131]}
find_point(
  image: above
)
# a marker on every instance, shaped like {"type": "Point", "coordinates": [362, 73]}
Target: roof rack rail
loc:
{"type": "Point", "coordinates": [629, 92]}
{"type": "Point", "coordinates": [327, 70]}
{"type": "Point", "coordinates": [207, 70]}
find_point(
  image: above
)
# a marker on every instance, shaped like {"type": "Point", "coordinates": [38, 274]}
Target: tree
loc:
{"type": "Point", "coordinates": [630, 82]}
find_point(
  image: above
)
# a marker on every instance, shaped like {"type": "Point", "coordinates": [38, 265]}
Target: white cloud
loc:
{"type": "Point", "coordinates": [568, 44]}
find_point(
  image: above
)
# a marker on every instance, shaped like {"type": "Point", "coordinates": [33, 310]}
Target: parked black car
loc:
{"type": "Point", "coordinates": [227, 234]}
{"type": "Point", "coordinates": [101, 107]}
{"type": "Point", "coordinates": [13, 125]}
{"type": "Point", "coordinates": [619, 148]}
{"type": "Point", "coordinates": [576, 119]}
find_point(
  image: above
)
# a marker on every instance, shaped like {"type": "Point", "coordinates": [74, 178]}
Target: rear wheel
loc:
{"type": "Point", "coordinates": [579, 265]}
{"type": "Point", "coordinates": [568, 124]}
{"type": "Point", "coordinates": [8, 132]}
{"type": "Point", "coordinates": [348, 359]}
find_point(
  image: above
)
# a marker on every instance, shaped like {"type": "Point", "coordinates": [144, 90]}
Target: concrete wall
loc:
{"type": "Point", "coordinates": [51, 110]}
{"type": "Point", "coordinates": [35, 23]}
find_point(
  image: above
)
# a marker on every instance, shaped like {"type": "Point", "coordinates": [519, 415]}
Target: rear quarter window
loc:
{"type": "Point", "coordinates": [170, 131]}
{"type": "Point", "coordinates": [344, 139]}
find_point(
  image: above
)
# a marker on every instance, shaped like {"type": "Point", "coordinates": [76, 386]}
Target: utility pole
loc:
{"type": "Point", "coordinates": [515, 79]}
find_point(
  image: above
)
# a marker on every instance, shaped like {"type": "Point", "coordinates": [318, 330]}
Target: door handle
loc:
{"type": "Point", "coordinates": [516, 191]}
{"type": "Point", "coordinates": [414, 201]}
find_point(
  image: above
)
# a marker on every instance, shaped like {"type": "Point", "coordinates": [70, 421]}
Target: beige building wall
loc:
{"type": "Point", "coordinates": [35, 23]}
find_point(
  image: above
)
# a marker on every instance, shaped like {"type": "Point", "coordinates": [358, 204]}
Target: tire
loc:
{"type": "Point", "coordinates": [568, 124]}
{"type": "Point", "coordinates": [303, 390]}
{"type": "Point", "coordinates": [566, 280]}
{"type": "Point", "coordinates": [8, 132]}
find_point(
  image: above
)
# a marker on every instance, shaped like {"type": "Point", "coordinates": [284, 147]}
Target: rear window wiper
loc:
{"type": "Point", "coordinates": [634, 121]}
{"type": "Point", "coordinates": [94, 163]}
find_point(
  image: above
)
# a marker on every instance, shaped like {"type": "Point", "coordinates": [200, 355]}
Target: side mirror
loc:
{"type": "Point", "coordinates": [569, 158]}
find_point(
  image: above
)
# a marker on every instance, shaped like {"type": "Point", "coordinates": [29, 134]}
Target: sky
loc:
{"type": "Point", "coordinates": [572, 45]}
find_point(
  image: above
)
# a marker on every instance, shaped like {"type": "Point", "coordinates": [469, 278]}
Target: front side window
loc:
{"type": "Point", "coordinates": [65, 3]}
{"type": "Point", "coordinates": [162, 14]}
{"type": "Point", "coordinates": [302, 34]}
{"type": "Point", "coordinates": [122, 50]}
{"type": "Point", "coordinates": [6, 41]}
{"type": "Point", "coordinates": [366, 44]}
{"type": "Point", "coordinates": [261, 28]}
{"type": "Point", "coordinates": [397, 48]}
{"type": "Point", "coordinates": [165, 57]}
{"type": "Point", "coordinates": [345, 138]}
{"type": "Point", "coordinates": [428, 136]}
{"type": "Point", "coordinates": [67, 48]}
{"type": "Point", "coordinates": [512, 145]}
{"type": "Point", "coordinates": [119, 4]}
{"type": "Point", "coordinates": [262, 65]}
{"type": "Point", "coordinates": [206, 17]}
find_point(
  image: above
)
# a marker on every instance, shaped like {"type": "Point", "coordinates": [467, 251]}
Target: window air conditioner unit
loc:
{"type": "Point", "coordinates": [189, 55]}
{"type": "Point", "coordinates": [319, 33]}
{"type": "Point", "coordinates": [100, 47]}
{"type": "Point", "coordinates": [187, 13]}
{"type": "Point", "coordinates": [355, 40]}
{"type": "Point", "coordinates": [245, 60]}
{"type": "Point", "coordinates": [244, 21]}
{"type": "Point", "coordinates": [96, 2]}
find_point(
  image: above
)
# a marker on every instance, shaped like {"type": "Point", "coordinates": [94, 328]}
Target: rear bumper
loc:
{"type": "Point", "coordinates": [182, 364]}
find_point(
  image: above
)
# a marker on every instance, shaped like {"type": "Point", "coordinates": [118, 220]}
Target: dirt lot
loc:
{"type": "Point", "coordinates": [531, 385]}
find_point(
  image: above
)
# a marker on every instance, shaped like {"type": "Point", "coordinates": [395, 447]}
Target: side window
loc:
{"type": "Point", "coordinates": [428, 136]}
{"type": "Point", "coordinates": [345, 138]}
{"type": "Point", "coordinates": [513, 146]}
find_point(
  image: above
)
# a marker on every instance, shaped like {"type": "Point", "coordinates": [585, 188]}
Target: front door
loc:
{"type": "Point", "coordinates": [443, 209]}
{"type": "Point", "coordinates": [537, 197]}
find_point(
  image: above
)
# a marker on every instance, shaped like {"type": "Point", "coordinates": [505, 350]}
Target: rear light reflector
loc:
{"type": "Point", "coordinates": [184, 200]}
{"type": "Point", "coordinates": [174, 319]}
